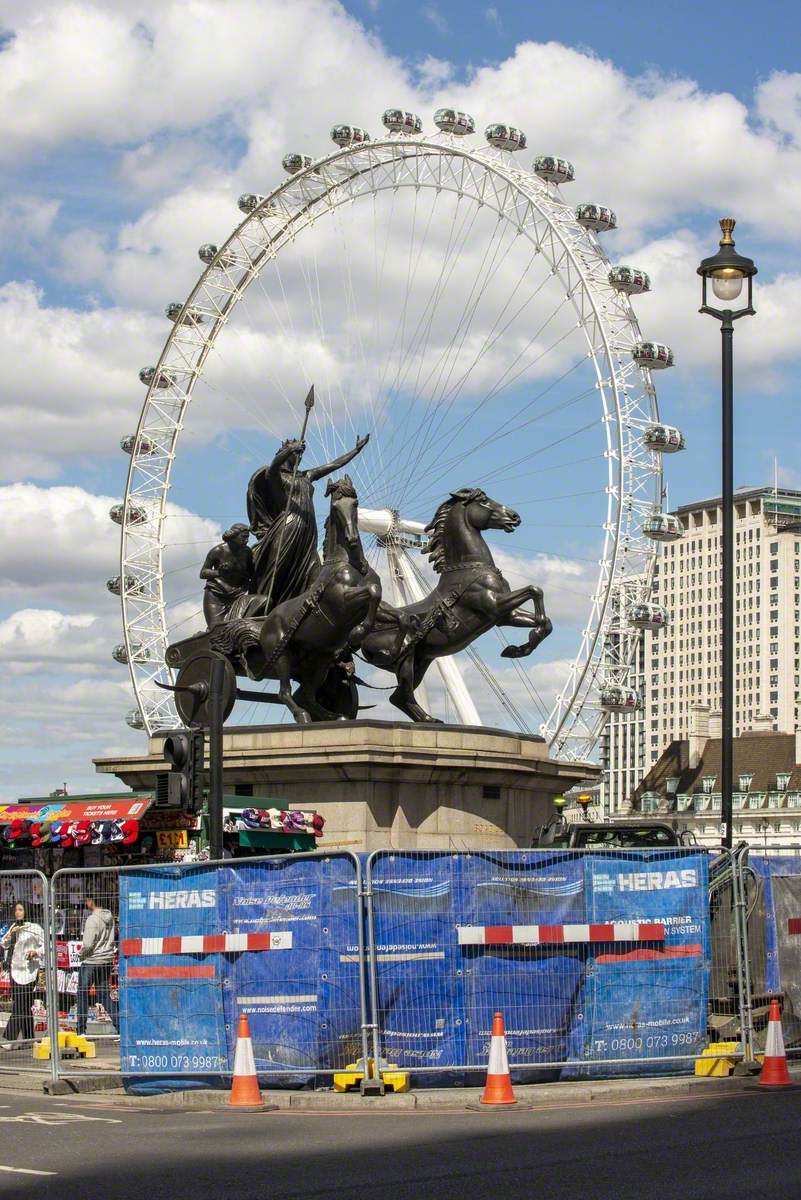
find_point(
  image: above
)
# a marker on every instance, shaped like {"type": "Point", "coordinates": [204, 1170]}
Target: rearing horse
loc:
{"type": "Point", "coordinates": [471, 597]}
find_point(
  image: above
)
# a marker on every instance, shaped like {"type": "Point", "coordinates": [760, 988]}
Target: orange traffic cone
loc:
{"type": "Point", "coordinates": [245, 1095]}
{"type": "Point", "coordinates": [498, 1088]}
{"type": "Point", "coordinates": [774, 1065]}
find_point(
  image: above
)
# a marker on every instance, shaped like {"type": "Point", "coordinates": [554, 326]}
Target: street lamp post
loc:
{"type": "Point", "coordinates": [726, 271]}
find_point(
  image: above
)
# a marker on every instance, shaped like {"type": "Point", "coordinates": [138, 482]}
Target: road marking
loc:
{"type": "Point", "coordinates": [26, 1171]}
{"type": "Point", "coordinates": [54, 1118]}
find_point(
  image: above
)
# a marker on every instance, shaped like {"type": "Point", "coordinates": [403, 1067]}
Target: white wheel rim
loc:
{"type": "Point", "coordinates": [627, 399]}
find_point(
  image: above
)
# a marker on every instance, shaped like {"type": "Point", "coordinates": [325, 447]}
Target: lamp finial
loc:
{"type": "Point", "coordinates": [727, 225]}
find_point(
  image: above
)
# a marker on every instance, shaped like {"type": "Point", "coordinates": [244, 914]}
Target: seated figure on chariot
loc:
{"type": "Point", "coordinates": [228, 571]}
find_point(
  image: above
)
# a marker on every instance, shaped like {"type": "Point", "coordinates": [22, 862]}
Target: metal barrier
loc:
{"type": "Point", "coordinates": [599, 960]}
{"type": "Point", "coordinates": [280, 938]}
{"type": "Point", "coordinates": [771, 897]}
{"type": "Point", "coordinates": [25, 971]}
{"type": "Point", "coordinates": [603, 962]}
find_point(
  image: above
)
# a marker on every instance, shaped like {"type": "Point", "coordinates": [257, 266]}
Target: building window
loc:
{"type": "Point", "coordinates": [744, 783]}
{"type": "Point", "coordinates": [782, 780]}
{"type": "Point", "coordinates": [708, 783]}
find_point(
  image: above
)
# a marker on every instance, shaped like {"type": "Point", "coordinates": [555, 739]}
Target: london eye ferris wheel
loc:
{"type": "Point", "coordinates": [441, 292]}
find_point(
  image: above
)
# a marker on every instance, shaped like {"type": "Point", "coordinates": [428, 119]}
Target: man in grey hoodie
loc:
{"type": "Point", "coordinates": [97, 956]}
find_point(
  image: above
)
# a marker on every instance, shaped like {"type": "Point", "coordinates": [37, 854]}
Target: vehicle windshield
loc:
{"type": "Point", "coordinates": [643, 835]}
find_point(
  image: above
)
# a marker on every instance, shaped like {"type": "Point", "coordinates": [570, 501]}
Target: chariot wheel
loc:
{"type": "Point", "coordinates": [443, 294]}
{"type": "Point", "coordinates": [192, 707]}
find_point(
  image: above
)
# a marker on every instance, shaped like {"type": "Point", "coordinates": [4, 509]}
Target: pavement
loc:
{"type": "Point", "coordinates": [717, 1144]}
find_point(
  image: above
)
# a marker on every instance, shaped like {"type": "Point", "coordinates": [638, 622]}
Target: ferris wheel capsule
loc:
{"type": "Point", "coordinates": [129, 582]}
{"type": "Point", "coordinates": [349, 135]}
{"type": "Point", "coordinates": [150, 378]}
{"type": "Point", "coordinates": [505, 137]}
{"type": "Point", "coordinates": [247, 203]}
{"type": "Point", "coordinates": [630, 280]}
{"type": "Point", "coordinates": [656, 356]}
{"type": "Point", "coordinates": [618, 699]}
{"type": "Point", "coordinates": [211, 256]}
{"type": "Point", "coordinates": [138, 654]}
{"type": "Point", "coordinates": [648, 616]}
{"type": "Point", "coordinates": [293, 163]}
{"type": "Point", "coordinates": [136, 514]}
{"type": "Point", "coordinates": [596, 217]}
{"type": "Point", "coordinates": [664, 439]}
{"type": "Point", "coordinates": [554, 170]}
{"type": "Point", "coordinates": [191, 315]}
{"type": "Point", "coordinates": [662, 527]}
{"type": "Point", "coordinates": [397, 121]}
{"type": "Point", "coordinates": [145, 446]}
{"type": "Point", "coordinates": [134, 718]}
{"type": "Point", "coordinates": [451, 121]}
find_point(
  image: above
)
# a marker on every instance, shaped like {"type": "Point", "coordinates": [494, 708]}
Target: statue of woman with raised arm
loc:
{"type": "Point", "coordinates": [281, 514]}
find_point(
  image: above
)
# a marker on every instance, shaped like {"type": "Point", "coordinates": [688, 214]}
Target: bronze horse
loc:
{"type": "Point", "coordinates": [471, 597]}
{"type": "Point", "coordinates": [305, 638]}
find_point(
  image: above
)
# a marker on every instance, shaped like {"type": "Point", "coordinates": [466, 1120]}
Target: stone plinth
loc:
{"type": "Point", "coordinates": [383, 784]}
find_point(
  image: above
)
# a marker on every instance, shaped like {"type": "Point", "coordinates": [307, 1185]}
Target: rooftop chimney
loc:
{"type": "Point", "coordinates": [763, 723]}
{"type": "Point", "coordinates": [716, 725]}
{"type": "Point", "coordinates": [699, 733]}
{"type": "Point", "coordinates": [797, 758]}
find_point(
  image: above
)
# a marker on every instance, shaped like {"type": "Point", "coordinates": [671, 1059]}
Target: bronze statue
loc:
{"type": "Point", "coordinates": [307, 637]}
{"type": "Point", "coordinates": [471, 597]}
{"type": "Point", "coordinates": [280, 506]}
{"type": "Point", "coordinates": [228, 571]}
{"type": "Point", "coordinates": [277, 612]}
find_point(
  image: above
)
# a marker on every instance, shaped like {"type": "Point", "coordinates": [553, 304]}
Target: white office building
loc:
{"type": "Point", "coordinates": [679, 666]}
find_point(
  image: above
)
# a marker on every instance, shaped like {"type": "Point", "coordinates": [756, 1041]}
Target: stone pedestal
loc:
{"type": "Point", "coordinates": [384, 784]}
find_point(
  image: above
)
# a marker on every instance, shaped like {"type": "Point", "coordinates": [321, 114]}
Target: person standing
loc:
{"type": "Point", "coordinates": [280, 503]}
{"type": "Point", "coordinates": [96, 956]}
{"type": "Point", "coordinates": [24, 947]}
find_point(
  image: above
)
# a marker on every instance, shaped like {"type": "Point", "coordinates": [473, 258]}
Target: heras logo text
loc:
{"type": "Point", "coordinates": [189, 899]}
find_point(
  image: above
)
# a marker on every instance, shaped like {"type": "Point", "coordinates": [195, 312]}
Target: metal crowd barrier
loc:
{"type": "Point", "coordinates": [770, 882]}
{"type": "Point", "coordinates": [599, 960]}
{"type": "Point", "coordinates": [25, 970]}
{"type": "Point", "coordinates": [603, 962]}
{"type": "Point", "coordinates": [280, 938]}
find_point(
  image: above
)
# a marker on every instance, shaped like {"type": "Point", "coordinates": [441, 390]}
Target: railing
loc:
{"type": "Point", "coordinates": [604, 962]}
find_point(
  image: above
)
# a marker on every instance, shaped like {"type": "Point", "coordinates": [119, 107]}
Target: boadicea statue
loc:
{"type": "Point", "coordinates": [276, 611]}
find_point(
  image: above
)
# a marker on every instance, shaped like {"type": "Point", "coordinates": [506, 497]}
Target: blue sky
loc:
{"type": "Point", "coordinates": [131, 132]}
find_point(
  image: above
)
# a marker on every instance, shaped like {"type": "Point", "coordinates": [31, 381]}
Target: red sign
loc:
{"type": "Point", "coordinates": [76, 810]}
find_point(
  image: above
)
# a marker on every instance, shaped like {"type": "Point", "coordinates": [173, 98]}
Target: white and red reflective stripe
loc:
{"type": "Point", "coordinates": [560, 935]}
{"type": "Point", "coordinates": [498, 1058]}
{"type": "Point", "coordinates": [244, 1060]}
{"type": "Point", "coordinates": [774, 1043]}
{"type": "Point", "coordinates": [209, 943]}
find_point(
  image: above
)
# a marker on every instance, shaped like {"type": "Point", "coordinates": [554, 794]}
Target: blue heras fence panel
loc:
{"type": "Point", "coordinates": [638, 1009]}
{"type": "Point", "coordinates": [765, 867]}
{"type": "Point", "coordinates": [417, 961]}
{"type": "Point", "coordinates": [647, 999]}
{"type": "Point", "coordinates": [171, 1012]}
{"type": "Point", "coordinates": [515, 895]}
{"type": "Point", "coordinates": [787, 909]}
{"type": "Point", "coordinates": [301, 993]}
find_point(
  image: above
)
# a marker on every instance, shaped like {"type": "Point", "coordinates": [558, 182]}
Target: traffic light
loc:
{"type": "Point", "coordinates": [185, 752]}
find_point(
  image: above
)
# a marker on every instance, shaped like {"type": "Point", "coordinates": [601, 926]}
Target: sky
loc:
{"type": "Point", "coordinates": [128, 131]}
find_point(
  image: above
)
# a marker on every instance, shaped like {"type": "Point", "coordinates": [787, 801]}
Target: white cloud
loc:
{"type": "Point", "coordinates": [25, 220]}
{"type": "Point", "coordinates": [59, 547]}
{"type": "Point", "coordinates": [670, 312]}
{"type": "Point", "coordinates": [435, 17]}
{"type": "Point", "coordinates": [69, 380]}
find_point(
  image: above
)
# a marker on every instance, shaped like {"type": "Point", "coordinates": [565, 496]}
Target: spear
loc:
{"type": "Point", "coordinates": [309, 405]}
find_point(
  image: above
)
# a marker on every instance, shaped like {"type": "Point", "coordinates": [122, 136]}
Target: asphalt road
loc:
{"type": "Point", "coordinates": [740, 1146]}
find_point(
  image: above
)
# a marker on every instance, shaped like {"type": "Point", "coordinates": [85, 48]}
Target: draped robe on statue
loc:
{"type": "Point", "coordinates": [277, 523]}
